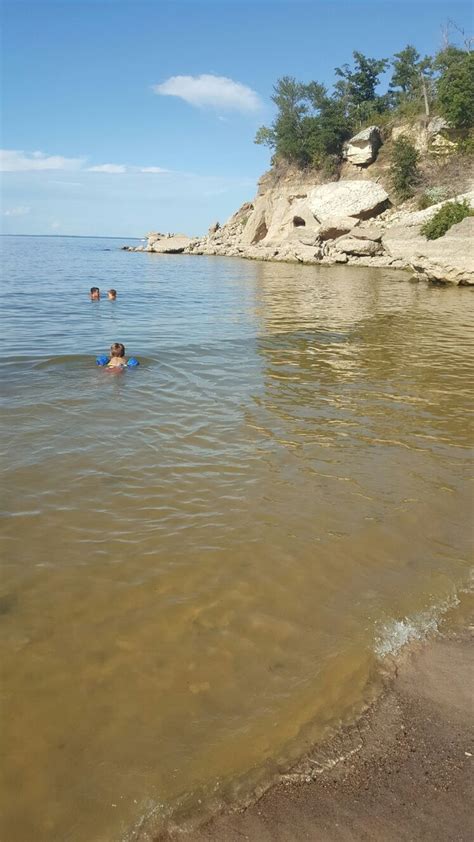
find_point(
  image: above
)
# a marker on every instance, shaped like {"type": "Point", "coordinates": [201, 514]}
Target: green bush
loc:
{"type": "Point", "coordinates": [448, 215]}
{"type": "Point", "coordinates": [431, 196]}
{"type": "Point", "coordinates": [404, 171]}
{"type": "Point", "coordinates": [466, 146]}
{"type": "Point", "coordinates": [456, 87]}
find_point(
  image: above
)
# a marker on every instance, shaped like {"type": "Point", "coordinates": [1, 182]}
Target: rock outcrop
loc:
{"type": "Point", "coordinates": [449, 259]}
{"type": "Point", "coordinates": [295, 218]}
{"type": "Point", "coordinates": [433, 135]}
{"type": "Point", "coordinates": [164, 243]}
{"type": "Point", "coordinates": [362, 149]}
{"type": "Point", "coordinates": [168, 243]}
{"type": "Point", "coordinates": [359, 199]}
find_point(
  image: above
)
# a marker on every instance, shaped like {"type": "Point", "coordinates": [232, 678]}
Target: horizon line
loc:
{"type": "Point", "coordinates": [82, 236]}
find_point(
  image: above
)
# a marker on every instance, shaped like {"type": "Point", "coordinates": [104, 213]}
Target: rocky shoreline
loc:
{"type": "Point", "coordinates": [297, 218]}
{"type": "Point", "coordinates": [355, 227]}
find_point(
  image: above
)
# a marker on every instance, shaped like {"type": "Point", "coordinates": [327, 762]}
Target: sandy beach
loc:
{"type": "Point", "coordinates": [401, 772]}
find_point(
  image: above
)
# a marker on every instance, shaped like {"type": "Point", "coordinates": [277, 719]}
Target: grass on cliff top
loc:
{"type": "Point", "coordinates": [445, 218]}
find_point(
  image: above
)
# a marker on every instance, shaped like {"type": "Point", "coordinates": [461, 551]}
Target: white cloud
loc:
{"type": "Point", "coordinates": [21, 210]}
{"type": "Point", "coordinates": [216, 91]}
{"type": "Point", "coordinates": [115, 169]}
{"type": "Point", "coordinates": [15, 160]}
{"type": "Point", "coordinates": [65, 183]}
{"type": "Point", "coordinates": [152, 169]}
{"type": "Point", "coordinates": [55, 225]}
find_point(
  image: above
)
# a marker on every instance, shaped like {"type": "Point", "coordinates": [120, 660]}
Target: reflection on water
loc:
{"type": "Point", "coordinates": [199, 555]}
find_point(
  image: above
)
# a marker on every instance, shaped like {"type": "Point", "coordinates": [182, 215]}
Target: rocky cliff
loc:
{"type": "Point", "coordinates": [354, 220]}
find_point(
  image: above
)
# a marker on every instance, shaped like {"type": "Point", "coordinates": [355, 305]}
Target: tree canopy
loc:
{"type": "Point", "coordinates": [312, 123]}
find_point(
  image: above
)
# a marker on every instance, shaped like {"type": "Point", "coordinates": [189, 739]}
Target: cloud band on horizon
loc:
{"type": "Point", "coordinates": [16, 160]}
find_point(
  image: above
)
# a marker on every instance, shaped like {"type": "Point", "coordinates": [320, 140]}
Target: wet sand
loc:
{"type": "Point", "coordinates": [403, 771]}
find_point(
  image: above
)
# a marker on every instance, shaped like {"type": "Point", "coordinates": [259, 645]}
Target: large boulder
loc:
{"type": "Point", "coordinates": [449, 259]}
{"type": "Point", "coordinates": [276, 217]}
{"type": "Point", "coordinates": [169, 243]}
{"type": "Point", "coordinates": [333, 228]}
{"type": "Point", "coordinates": [361, 248]}
{"type": "Point", "coordinates": [362, 149]}
{"type": "Point", "coordinates": [368, 232]}
{"type": "Point", "coordinates": [359, 199]}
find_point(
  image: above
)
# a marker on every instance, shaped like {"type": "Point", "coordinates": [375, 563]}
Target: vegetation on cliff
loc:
{"type": "Point", "coordinates": [447, 216]}
{"type": "Point", "coordinates": [404, 170]}
{"type": "Point", "coordinates": [312, 124]}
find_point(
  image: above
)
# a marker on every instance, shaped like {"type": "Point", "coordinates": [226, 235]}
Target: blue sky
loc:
{"type": "Point", "coordinates": [124, 116]}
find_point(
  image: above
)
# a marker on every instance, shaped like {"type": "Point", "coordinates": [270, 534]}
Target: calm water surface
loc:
{"type": "Point", "coordinates": [204, 559]}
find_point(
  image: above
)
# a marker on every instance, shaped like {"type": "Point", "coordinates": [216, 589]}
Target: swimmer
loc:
{"type": "Point", "coordinates": [117, 356]}
{"type": "Point", "coordinates": [112, 294]}
{"type": "Point", "coordinates": [95, 294]}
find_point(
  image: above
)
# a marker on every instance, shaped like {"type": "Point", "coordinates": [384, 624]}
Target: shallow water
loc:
{"type": "Point", "coordinates": [204, 558]}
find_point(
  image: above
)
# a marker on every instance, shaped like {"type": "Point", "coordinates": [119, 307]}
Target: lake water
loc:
{"type": "Point", "coordinates": [205, 559]}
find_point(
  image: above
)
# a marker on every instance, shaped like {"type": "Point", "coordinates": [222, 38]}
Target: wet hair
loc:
{"type": "Point", "coordinates": [117, 349]}
{"type": "Point", "coordinates": [113, 292]}
{"type": "Point", "coordinates": [94, 289]}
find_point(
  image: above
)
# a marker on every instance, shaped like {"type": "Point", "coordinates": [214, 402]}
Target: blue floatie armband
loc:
{"type": "Point", "coordinates": [102, 360]}
{"type": "Point", "coordinates": [132, 362]}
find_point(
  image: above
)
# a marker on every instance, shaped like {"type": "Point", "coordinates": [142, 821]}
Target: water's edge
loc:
{"type": "Point", "coordinates": [400, 768]}
{"type": "Point", "coordinates": [319, 752]}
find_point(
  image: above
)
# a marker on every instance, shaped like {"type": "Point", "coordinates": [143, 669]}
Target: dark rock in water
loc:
{"type": "Point", "coordinates": [8, 602]}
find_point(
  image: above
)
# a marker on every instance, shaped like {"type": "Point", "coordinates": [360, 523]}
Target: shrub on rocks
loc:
{"type": "Point", "coordinates": [445, 218]}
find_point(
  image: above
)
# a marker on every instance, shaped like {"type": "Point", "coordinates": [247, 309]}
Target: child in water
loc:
{"type": "Point", "coordinates": [95, 294]}
{"type": "Point", "coordinates": [117, 356]}
{"type": "Point", "coordinates": [112, 294]}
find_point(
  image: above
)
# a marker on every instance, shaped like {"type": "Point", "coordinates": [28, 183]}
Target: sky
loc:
{"type": "Point", "coordinates": [127, 116]}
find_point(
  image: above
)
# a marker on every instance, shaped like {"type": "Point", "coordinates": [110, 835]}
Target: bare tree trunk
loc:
{"type": "Point", "coordinates": [425, 94]}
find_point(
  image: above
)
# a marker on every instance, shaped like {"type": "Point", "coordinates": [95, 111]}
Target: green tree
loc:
{"type": "Point", "coordinates": [357, 88]}
{"type": "Point", "coordinates": [455, 87]}
{"type": "Point", "coordinates": [310, 127]}
{"type": "Point", "coordinates": [286, 135]}
{"type": "Point", "coordinates": [330, 122]}
{"type": "Point", "coordinates": [411, 74]}
{"type": "Point", "coordinates": [404, 171]}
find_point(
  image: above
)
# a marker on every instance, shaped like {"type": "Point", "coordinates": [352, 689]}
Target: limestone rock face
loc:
{"type": "Point", "coordinates": [419, 217]}
{"type": "Point", "coordinates": [360, 199]}
{"type": "Point", "coordinates": [275, 217]}
{"type": "Point", "coordinates": [449, 259]}
{"type": "Point", "coordinates": [168, 243]}
{"type": "Point", "coordinates": [368, 232]}
{"type": "Point", "coordinates": [333, 228]}
{"type": "Point", "coordinates": [437, 125]}
{"type": "Point", "coordinates": [352, 245]}
{"type": "Point", "coordinates": [363, 147]}
{"type": "Point", "coordinates": [425, 136]}
{"type": "Point", "coordinates": [296, 218]}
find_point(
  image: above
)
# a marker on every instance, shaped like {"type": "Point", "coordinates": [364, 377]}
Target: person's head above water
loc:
{"type": "Point", "coordinates": [112, 294]}
{"type": "Point", "coordinates": [117, 358]}
{"type": "Point", "coordinates": [117, 349]}
{"type": "Point", "coordinates": [95, 294]}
